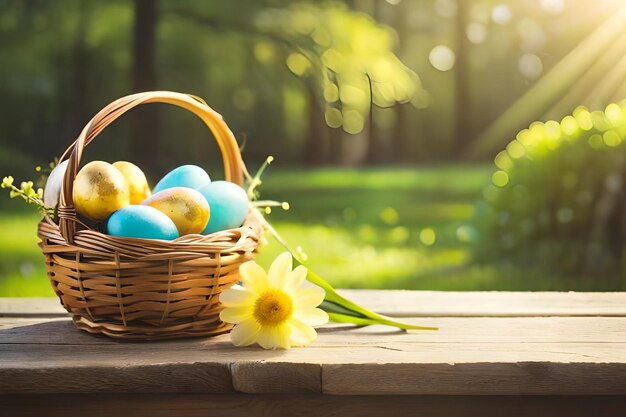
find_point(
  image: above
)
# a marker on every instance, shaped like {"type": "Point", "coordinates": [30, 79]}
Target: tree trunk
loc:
{"type": "Point", "coordinates": [317, 147]}
{"type": "Point", "coordinates": [145, 127]}
{"type": "Point", "coordinates": [462, 130]}
{"type": "Point", "coordinates": [403, 150]}
{"type": "Point", "coordinates": [78, 85]}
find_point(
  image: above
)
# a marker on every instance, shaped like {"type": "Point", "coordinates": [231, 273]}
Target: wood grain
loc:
{"type": "Point", "coordinates": [190, 405]}
{"type": "Point", "coordinates": [490, 303]}
{"type": "Point", "coordinates": [492, 378]}
{"type": "Point", "coordinates": [123, 378]}
{"type": "Point", "coordinates": [400, 303]}
{"type": "Point", "coordinates": [530, 355]}
{"type": "Point", "coordinates": [55, 331]}
{"type": "Point", "coordinates": [564, 354]}
{"type": "Point", "coordinates": [260, 377]}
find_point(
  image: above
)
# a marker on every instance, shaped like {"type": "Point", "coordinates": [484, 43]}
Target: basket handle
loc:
{"type": "Point", "coordinates": [234, 167]}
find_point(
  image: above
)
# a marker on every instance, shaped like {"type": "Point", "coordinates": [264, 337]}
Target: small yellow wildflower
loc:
{"type": "Point", "coordinates": [277, 309]}
{"type": "Point", "coordinates": [7, 182]}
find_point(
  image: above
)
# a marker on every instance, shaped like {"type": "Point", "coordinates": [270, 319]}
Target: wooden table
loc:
{"type": "Point", "coordinates": [512, 354]}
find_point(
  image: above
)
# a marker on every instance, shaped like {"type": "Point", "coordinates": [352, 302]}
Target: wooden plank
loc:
{"type": "Point", "coordinates": [193, 405]}
{"type": "Point", "coordinates": [254, 377]}
{"type": "Point", "coordinates": [482, 356]}
{"type": "Point", "coordinates": [399, 303]}
{"type": "Point", "coordinates": [491, 378]}
{"type": "Point", "coordinates": [31, 357]}
{"type": "Point", "coordinates": [31, 307]}
{"type": "Point", "coordinates": [199, 377]}
{"type": "Point", "coordinates": [58, 331]}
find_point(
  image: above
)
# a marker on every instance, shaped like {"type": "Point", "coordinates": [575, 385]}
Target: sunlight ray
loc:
{"type": "Point", "coordinates": [559, 79]}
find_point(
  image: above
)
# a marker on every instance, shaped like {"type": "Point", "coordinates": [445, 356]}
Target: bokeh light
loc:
{"type": "Point", "coordinates": [298, 64]}
{"type": "Point", "coordinates": [353, 121]}
{"type": "Point", "coordinates": [530, 66]}
{"type": "Point", "coordinates": [333, 117]}
{"type": "Point", "coordinates": [476, 32]}
{"type": "Point", "coordinates": [428, 236]}
{"type": "Point", "coordinates": [442, 58]}
{"type": "Point", "coordinates": [554, 7]}
{"type": "Point", "coordinates": [501, 14]}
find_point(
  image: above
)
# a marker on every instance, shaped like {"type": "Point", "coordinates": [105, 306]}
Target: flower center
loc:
{"type": "Point", "coordinates": [272, 308]}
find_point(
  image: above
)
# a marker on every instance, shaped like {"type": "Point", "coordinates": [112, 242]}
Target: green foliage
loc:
{"type": "Point", "coordinates": [346, 53]}
{"type": "Point", "coordinates": [558, 198]}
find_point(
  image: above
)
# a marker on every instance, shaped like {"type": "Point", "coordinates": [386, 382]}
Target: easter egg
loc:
{"type": "Point", "coordinates": [143, 222]}
{"type": "Point", "coordinates": [52, 190]}
{"type": "Point", "coordinates": [189, 176]}
{"type": "Point", "coordinates": [99, 190]}
{"type": "Point", "coordinates": [187, 208]}
{"type": "Point", "coordinates": [229, 205]}
{"type": "Point", "coordinates": [137, 184]}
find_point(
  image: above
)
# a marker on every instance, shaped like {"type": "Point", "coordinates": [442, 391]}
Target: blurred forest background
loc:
{"type": "Point", "coordinates": [384, 117]}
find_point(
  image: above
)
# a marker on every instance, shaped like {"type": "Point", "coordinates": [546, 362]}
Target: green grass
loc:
{"type": "Point", "coordinates": [359, 229]}
{"type": "Point", "coordinates": [22, 272]}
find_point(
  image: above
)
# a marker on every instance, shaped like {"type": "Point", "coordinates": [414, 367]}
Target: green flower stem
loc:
{"type": "Point", "coordinates": [337, 304]}
{"type": "Point", "coordinates": [333, 297]}
{"type": "Point", "coordinates": [364, 321]}
{"type": "Point", "coordinates": [256, 180]}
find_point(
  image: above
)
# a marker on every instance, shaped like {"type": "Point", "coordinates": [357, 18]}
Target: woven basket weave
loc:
{"type": "Point", "coordinates": [131, 288]}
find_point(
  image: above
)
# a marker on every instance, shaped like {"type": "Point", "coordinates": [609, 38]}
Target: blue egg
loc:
{"type": "Point", "coordinates": [189, 176]}
{"type": "Point", "coordinates": [229, 205]}
{"type": "Point", "coordinates": [142, 222]}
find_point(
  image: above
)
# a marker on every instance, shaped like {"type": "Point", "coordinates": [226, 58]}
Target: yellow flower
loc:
{"type": "Point", "coordinates": [277, 309]}
{"type": "Point", "coordinates": [7, 181]}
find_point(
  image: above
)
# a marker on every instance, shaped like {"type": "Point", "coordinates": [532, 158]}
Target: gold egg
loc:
{"type": "Point", "coordinates": [187, 208]}
{"type": "Point", "coordinates": [99, 190]}
{"type": "Point", "coordinates": [136, 179]}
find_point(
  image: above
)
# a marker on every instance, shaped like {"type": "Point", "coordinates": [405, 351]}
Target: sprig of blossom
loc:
{"type": "Point", "coordinates": [26, 192]}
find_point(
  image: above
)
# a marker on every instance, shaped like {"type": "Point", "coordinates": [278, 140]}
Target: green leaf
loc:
{"type": "Point", "coordinates": [365, 321]}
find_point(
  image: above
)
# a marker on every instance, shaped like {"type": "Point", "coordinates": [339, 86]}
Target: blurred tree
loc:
{"type": "Point", "coordinates": [78, 82]}
{"type": "Point", "coordinates": [279, 70]}
{"type": "Point", "coordinates": [349, 57]}
{"type": "Point", "coordinates": [145, 128]}
{"type": "Point", "coordinates": [344, 58]}
{"type": "Point", "coordinates": [462, 137]}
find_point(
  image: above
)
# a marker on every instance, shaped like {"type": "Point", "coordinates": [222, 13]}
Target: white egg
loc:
{"type": "Point", "coordinates": [52, 190]}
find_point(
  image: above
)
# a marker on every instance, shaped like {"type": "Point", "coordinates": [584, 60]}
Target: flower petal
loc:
{"type": "Point", "coordinates": [245, 333]}
{"type": "Point", "coordinates": [309, 297]}
{"type": "Point", "coordinates": [280, 270]}
{"type": "Point", "coordinates": [296, 278]}
{"type": "Point", "coordinates": [274, 337]}
{"type": "Point", "coordinates": [236, 296]}
{"type": "Point", "coordinates": [302, 334]}
{"type": "Point", "coordinates": [312, 316]}
{"type": "Point", "coordinates": [253, 276]}
{"type": "Point", "coordinates": [236, 314]}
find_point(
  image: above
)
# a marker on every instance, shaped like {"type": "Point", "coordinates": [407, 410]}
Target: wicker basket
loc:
{"type": "Point", "coordinates": [142, 288]}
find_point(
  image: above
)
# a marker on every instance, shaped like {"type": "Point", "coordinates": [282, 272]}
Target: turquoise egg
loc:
{"type": "Point", "coordinates": [189, 176]}
{"type": "Point", "coordinates": [142, 222]}
{"type": "Point", "coordinates": [229, 205]}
